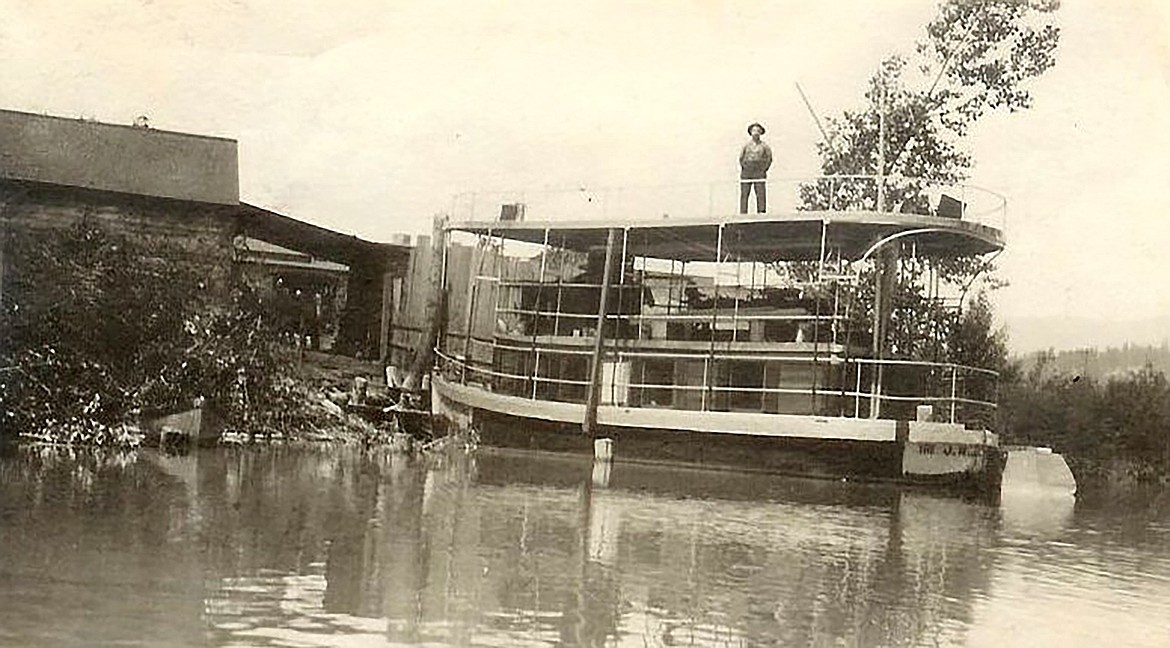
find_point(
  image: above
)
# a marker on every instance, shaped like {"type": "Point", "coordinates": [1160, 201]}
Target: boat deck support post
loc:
{"type": "Point", "coordinates": [885, 279]}
{"type": "Point", "coordinates": [589, 425]}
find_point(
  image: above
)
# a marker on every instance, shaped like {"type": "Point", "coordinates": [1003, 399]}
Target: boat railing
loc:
{"type": "Point", "coordinates": [671, 317]}
{"type": "Point", "coordinates": [840, 386]}
{"type": "Point", "coordinates": [896, 387]}
{"type": "Point", "coordinates": [844, 193]}
{"type": "Point", "coordinates": [518, 314]}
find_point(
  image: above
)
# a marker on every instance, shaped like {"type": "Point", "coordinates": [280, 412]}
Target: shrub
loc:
{"type": "Point", "coordinates": [98, 326]}
{"type": "Point", "coordinates": [1124, 420]}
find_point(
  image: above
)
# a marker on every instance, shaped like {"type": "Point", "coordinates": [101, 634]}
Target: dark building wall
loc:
{"type": "Point", "coordinates": [112, 157]}
{"type": "Point", "coordinates": [370, 276]}
{"type": "Point", "coordinates": [181, 191]}
{"type": "Point", "coordinates": [202, 232]}
{"type": "Point", "coordinates": [360, 323]}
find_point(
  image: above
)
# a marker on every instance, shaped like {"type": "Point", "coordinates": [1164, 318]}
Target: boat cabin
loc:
{"type": "Point", "coordinates": [709, 313]}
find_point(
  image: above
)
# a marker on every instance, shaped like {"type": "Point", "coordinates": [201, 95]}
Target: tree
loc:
{"type": "Point", "coordinates": [977, 56]}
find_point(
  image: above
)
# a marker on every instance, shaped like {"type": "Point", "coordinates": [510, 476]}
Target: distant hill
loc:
{"type": "Point", "coordinates": [1026, 335]}
{"type": "Point", "coordinates": [1104, 362]}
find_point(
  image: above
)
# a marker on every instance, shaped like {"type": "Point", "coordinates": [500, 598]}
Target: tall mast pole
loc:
{"type": "Point", "coordinates": [881, 166]}
{"type": "Point", "coordinates": [881, 267]}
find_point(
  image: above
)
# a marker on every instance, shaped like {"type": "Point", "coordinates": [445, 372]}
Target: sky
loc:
{"type": "Point", "coordinates": [367, 116]}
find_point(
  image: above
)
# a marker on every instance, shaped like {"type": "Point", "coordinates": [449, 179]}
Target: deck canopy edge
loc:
{"type": "Point", "coordinates": [789, 237]}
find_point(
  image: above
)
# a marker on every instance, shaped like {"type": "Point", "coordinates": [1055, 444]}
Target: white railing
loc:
{"type": "Point", "coordinates": [849, 382]}
{"type": "Point", "coordinates": [901, 195]}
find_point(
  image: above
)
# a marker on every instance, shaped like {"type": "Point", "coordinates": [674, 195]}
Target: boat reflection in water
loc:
{"type": "Point", "coordinates": [355, 547]}
{"type": "Point", "coordinates": [508, 549]}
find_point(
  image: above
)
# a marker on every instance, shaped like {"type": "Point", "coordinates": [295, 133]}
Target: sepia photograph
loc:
{"type": "Point", "coordinates": [590, 324]}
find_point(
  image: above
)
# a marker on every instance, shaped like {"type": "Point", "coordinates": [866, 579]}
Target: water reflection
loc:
{"type": "Point", "coordinates": [90, 553]}
{"type": "Point", "coordinates": [508, 550]}
{"type": "Point", "coordinates": [302, 547]}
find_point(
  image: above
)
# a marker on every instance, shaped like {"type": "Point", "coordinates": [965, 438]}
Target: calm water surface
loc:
{"type": "Point", "coordinates": [345, 547]}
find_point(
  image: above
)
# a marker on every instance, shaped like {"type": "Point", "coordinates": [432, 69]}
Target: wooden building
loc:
{"type": "Point", "coordinates": [181, 188]}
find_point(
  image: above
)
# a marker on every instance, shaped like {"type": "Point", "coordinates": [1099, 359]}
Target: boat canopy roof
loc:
{"type": "Point", "coordinates": [795, 236]}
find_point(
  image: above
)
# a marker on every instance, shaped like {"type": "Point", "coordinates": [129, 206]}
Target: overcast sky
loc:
{"type": "Point", "coordinates": [366, 116]}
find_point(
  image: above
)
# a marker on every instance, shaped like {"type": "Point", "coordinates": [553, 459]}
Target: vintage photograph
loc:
{"type": "Point", "coordinates": [588, 324]}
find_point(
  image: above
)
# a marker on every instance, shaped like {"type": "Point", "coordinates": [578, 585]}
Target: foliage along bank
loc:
{"type": "Point", "coordinates": [100, 328]}
{"type": "Point", "coordinates": [1115, 430]}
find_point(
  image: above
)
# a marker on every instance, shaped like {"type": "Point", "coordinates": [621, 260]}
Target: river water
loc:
{"type": "Point", "coordinates": [351, 547]}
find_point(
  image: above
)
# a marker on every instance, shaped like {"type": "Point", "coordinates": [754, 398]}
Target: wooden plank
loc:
{"type": "Point", "coordinates": [387, 317]}
{"type": "Point", "coordinates": [396, 330]}
{"type": "Point", "coordinates": [410, 294]}
{"type": "Point", "coordinates": [433, 304]}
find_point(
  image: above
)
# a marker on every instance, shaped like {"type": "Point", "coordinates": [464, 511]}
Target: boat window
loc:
{"type": "Point", "coordinates": [512, 363]}
{"type": "Point", "coordinates": [574, 370]}
{"type": "Point", "coordinates": [780, 331]}
{"type": "Point", "coordinates": [655, 372]}
{"type": "Point", "coordinates": [688, 377]}
{"type": "Point", "coordinates": [748, 376]}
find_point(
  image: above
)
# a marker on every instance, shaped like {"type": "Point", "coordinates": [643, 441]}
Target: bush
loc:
{"type": "Point", "coordinates": [1124, 421]}
{"type": "Point", "coordinates": [99, 326]}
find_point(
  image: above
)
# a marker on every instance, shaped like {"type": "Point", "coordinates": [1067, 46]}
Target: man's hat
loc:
{"type": "Point", "coordinates": [754, 125]}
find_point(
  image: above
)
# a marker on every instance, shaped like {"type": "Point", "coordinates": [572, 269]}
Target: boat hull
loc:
{"type": "Point", "coordinates": [822, 447]}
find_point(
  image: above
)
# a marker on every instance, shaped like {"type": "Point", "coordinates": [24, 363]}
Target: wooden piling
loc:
{"type": "Point", "coordinates": [424, 351]}
{"type": "Point", "coordinates": [386, 321]}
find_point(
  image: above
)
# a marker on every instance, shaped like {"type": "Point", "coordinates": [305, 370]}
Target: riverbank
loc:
{"type": "Point", "coordinates": [1115, 473]}
{"type": "Point", "coordinates": [101, 341]}
{"type": "Point", "coordinates": [1110, 431]}
{"type": "Point", "coordinates": [325, 398]}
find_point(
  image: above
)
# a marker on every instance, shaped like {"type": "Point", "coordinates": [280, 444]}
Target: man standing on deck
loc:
{"type": "Point", "coordinates": [754, 161]}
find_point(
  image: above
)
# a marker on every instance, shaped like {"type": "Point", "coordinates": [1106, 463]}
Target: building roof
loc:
{"type": "Point", "coordinates": [264, 253]}
{"type": "Point", "coordinates": [320, 242]}
{"type": "Point", "coordinates": [113, 157]}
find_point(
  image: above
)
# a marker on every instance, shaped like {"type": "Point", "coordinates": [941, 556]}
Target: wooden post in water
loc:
{"type": "Point", "coordinates": [424, 352]}
{"type": "Point", "coordinates": [589, 425]}
{"type": "Point", "coordinates": [386, 320]}
{"type": "Point", "coordinates": [3, 236]}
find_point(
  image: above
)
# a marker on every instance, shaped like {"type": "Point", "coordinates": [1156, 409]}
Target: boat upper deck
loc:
{"type": "Point", "coordinates": [796, 236]}
{"type": "Point", "coordinates": [692, 222]}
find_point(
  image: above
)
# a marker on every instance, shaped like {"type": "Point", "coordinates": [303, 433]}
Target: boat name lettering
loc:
{"type": "Point", "coordinates": [949, 449]}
